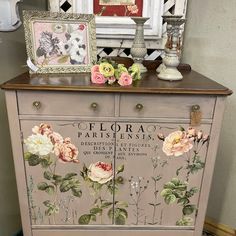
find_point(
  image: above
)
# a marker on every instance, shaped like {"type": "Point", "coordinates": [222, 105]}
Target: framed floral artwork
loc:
{"type": "Point", "coordinates": [59, 42]}
{"type": "Point", "coordinates": [113, 20]}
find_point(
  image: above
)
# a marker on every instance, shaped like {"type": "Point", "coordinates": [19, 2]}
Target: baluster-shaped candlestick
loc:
{"type": "Point", "coordinates": [138, 49]}
{"type": "Point", "coordinates": [171, 59]}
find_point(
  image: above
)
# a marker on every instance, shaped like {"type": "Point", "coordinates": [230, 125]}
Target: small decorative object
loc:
{"type": "Point", "coordinates": [59, 42]}
{"type": "Point", "coordinates": [138, 49]}
{"type": "Point", "coordinates": [107, 71]}
{"type": "Point", "coordinates": [172, 47]}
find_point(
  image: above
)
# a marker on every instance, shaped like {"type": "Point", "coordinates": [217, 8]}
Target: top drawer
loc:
{"type": "Point", "coordinates": [66, 104]}
{"type": "Point", "coordinates": [165, 106]}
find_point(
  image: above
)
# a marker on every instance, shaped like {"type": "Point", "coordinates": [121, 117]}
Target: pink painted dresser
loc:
{"type": "Point", "coordinates": [109, 160]}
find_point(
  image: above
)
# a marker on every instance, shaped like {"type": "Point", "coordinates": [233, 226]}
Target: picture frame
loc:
{"type": "Point", "coordinates": [59, 42]}
{"type": "Point", "coordinates": [122, 27]}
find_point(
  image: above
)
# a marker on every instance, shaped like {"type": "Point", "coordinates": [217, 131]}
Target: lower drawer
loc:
{"type": "Point", "coordinates": [113, 232]}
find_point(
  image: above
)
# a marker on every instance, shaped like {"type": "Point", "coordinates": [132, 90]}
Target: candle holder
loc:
{"type": "Point", "coordinates": [138, 49]}
{"type": "Point", "coordinates": [172, 49]}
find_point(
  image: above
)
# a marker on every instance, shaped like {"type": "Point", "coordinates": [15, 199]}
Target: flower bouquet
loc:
{"type": "Point", "coordinates": [108, 71]}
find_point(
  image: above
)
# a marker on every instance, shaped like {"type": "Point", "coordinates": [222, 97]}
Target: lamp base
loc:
{"type": "Point", "coordinates": [171, 74]}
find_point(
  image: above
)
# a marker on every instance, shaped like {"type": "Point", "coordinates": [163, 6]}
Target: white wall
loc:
{"type": "Point", "coordinates": [210, 48]}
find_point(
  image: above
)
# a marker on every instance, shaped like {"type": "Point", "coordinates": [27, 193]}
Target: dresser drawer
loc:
{"type": "Point", "coordinates": [66, 104]}
{"type": "Point", "coordinates": [165, 106]}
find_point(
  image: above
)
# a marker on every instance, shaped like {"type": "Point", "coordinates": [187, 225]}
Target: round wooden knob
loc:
{"type": "Point", "coordinates": [195, 107]}
{"type": "Point", "coordinates": [139, 107]}
{"type": "Point", "coordinates": [37, 104]}
{"type": "Point", "coordinates": [94, 105]}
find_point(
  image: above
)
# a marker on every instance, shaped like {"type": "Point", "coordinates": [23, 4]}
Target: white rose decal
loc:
{"type": "Point", "coordinates": [100, 172]}
{"type": "Point", "coordinates": [39, 144]}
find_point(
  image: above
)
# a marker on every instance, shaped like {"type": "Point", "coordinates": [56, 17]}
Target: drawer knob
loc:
{"type": "Point", "coordinates": [195, 108]}
{"type": "Point", "coordinates": [94, 105]}
{"type": "Point", "coordinates": [139, 107]}
{"type": "Point", "coordinates": [37, 104]}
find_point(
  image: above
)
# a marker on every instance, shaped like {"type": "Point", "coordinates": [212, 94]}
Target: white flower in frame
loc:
{"type": "Point", "coordinates": [39, 144]}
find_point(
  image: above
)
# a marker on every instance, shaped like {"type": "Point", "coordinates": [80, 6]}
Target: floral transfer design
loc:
{"type": "Point", "coordinates": [189, 144]}
{"type": "Point", "coordinates": [118, 8]}
{"type": "Point", "coordinates": [48, 148]}
{"type": "Point", "coordinates": [63, 44]}
{"type": "Point", "coordinates": [102, 181]}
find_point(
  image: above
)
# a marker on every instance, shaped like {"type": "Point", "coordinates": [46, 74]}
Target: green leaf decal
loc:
{"type": "Point", "coordinates": [106, 204]}
{"type": "Point", "coordinates": [33, 160]}
{"type": "Point", "coordinates": [166, 192]}
{"type": "Point", "coordinates": [76, 192]}
{"type": "Point", "coordinates": [189, 209]}
{"type": "Point", "coordinates": [50, 190]}
{"type": "Point", "coordinates": [48, 175]}
{"type": "Point", "coordinates": [95, 211]}
{"type": "Point", "coordinates": [85, 219]}
{"type": "Point", "coordinates": [70, 176]}
{"type": "Point", "coordinates": [65, 186]}
{"type": "Point", "coordinates": [170, 199]}
{"type": "Point", "coordinates": [46, 161]}
{"type": "Point", "coordinates": [120, 220]}
{"type": "Point", "coordinates": [42, 186]}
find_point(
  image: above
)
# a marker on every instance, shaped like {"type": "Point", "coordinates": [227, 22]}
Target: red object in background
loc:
{"type": "Point", "coordinates": [116, 10]}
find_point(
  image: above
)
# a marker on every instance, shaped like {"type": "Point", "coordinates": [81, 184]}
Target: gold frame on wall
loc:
{"type": "Point", "coordinates": [66, 47]}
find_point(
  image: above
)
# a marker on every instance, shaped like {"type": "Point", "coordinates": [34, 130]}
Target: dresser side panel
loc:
{"type": "Point", "coordinates": [15, 133]}
{"type": "Point", "coordinates": [210, 162]}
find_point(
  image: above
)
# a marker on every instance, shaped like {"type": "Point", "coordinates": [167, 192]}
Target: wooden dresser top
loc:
{"type": "Point", "coordinates": [192, 83]}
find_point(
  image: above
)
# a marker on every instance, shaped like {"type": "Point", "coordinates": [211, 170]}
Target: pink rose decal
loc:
{"type": "Point", "coordinates": [125, 79]}
{"type": "Point", "coordinates": [98, 78]}
{"type": "Point", "coordinates": [66, 151]}
{"type": "Point", "coordinates": [100, 172]}
{"type": "Point", "coordinates": [42, 129]}
{"type": "Point", "coordinates": [177, 143]}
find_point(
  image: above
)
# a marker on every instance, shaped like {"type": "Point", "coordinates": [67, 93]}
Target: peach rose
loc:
{"type": "Point", "coordinates": [177, 143]}
{"type": "Point", "coordinates": [125, 79]}
{"type": "Point", "coordinates": [100, 172]}
{"type": "Point", "coordinates": [55, 138]}
{"type": "Point", "coordinates": [191, 132]}
{"type": "Point", "coordinates": [42, 129]}
{"type": "Point", "coordinates": [66, 151]}
{"type": "Point", "coordinates": [98, 78]}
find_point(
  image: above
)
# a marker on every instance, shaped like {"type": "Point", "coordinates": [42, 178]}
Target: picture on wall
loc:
{"type": "Point", "coordinates": [118, 8]}
{"type": "Point", "coordinates": [58, 45]}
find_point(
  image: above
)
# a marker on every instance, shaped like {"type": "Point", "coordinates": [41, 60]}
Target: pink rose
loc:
{"type": "Point", "coordinates": [95, 68]}
{"type": "Point", "coordinates": [66, 151]}
{"type": "Point", "coordinates": [100, 172]}
{"type": "Point", "coordinates": [98, 78]}
{"type": "Point", "coordinates": [125, 79]}
{"type": "Point", "coordinates": [177, 143]}
{"type": "Point", "coordinates": [42, 129]}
